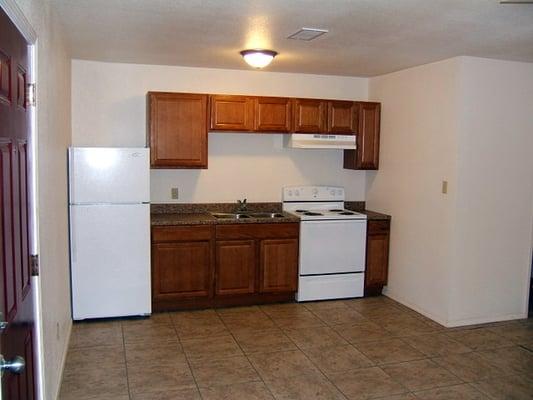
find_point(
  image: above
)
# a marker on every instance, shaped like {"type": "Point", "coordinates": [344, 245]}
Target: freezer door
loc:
{"type": "Point", "coordinates": [334, 246]}
{"type": "Point", "coordinates": [110, 260]}
{"type": "Point", "coordinates": [109, 175]}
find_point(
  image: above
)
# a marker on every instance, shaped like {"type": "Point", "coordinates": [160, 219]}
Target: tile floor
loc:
{"type": "Point", "coordinates": [370, 348]}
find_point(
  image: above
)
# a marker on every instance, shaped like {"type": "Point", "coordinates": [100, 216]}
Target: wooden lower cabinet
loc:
{"type": "Point", "coordinates": [235, 269]}
{"type": "Point", "coordinates": [377, 256]}
{"type": "Point", "coordinates": [181, 269]}
{"type": "Point", "coordinates": [182, 265]}
{"type": "Point", "coordinates": [237, 264]}
{"type": "Point", "coordinates": [278, 265]}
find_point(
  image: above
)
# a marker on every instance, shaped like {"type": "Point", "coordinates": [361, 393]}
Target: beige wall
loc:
{"type": "Point", "coordinates": [53, 124]}
{"type": "Point", "coordinates": [109, 109]}
{"type": "Point", "coordinates": [462, 257]}
{"type": "Point", "coordinates": [418, 152]}
{"type": "Point", "coordinates": [495, 192]}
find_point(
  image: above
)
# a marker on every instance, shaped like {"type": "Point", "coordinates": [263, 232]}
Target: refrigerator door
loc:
{"type": "Point", "coordinates": [110, 260]}
{"type": "Point", "coordinates": [109, 175]}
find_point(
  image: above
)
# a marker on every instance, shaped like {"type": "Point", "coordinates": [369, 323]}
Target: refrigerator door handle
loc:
{"type": "Point", "coordinates": [73, 249]}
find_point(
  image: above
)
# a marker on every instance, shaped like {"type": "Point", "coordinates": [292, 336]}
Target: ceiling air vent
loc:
{"type": "Point", "coordinates": [307, 34]}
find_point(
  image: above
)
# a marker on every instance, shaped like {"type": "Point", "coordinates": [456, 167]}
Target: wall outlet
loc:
{"type": "Point", "coordinates": [444, 187]}
{"type": "Point", "coordinates": [174, 193]}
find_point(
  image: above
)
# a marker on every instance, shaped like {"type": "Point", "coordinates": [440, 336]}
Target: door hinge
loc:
{"type": "Point", "coordinates": [34, 264]}
{"type": "Point", "coordinates": [31, 93]}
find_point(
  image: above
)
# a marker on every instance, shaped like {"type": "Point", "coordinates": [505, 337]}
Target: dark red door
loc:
{"type": "Point", "coordinates": [16, 303]}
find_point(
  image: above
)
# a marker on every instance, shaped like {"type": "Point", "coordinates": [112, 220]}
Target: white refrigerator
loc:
{"type": "Point", "coordinates": [109, 217]}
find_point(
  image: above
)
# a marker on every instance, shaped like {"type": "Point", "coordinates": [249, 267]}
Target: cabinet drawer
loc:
{"type": "Point", "coordinates": [181, 233]}
{"type": "Point", "coordinates": [257, 231]}
{"type": "Point", "coordinates": [378, 227]}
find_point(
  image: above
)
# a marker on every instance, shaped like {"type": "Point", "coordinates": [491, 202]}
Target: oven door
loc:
{"type": "Point", "coordinates": [332, 246]}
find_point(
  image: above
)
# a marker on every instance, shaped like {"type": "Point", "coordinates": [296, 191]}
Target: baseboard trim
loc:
{"type": "Point", "coordinates": [485, 320]}
{"type": "Point", "coordinates": [394, 296]}
{"type": "Point", "coordinates": [453, 323]}
{"type": "Point", "coordinates": [63, 362]}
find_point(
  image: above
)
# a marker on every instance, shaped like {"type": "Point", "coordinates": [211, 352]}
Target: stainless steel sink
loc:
{"type": "Point", "coordinates": [266, 215]}
{"type": "Point", "coordinates": [230, 215]}
{"type": "Point", "coordinates": [247, 215]}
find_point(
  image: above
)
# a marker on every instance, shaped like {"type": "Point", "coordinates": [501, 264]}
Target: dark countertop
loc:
{"type": "Point", "coordinates": [199, 213]}
{"type": "Point", "coordinates": [375, 216]}
{"type": "Point", "coordinates": [205, 218]}
{"type": "Point", "coordinates": [182, 219]}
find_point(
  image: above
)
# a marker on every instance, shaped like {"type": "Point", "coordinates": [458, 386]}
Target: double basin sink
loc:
{"type": "Point", "coordinates": [246, 215]}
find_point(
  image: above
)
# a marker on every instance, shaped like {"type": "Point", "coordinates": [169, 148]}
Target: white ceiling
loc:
{"type": "Point", "coordinates": [366, 38]}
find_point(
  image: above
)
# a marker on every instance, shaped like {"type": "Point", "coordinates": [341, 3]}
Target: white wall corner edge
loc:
{"type": "Point", "coordinates": [63, 362]}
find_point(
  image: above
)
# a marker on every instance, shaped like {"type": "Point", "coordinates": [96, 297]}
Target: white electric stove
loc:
{"type": "Point", "coordinates": [332, 243]}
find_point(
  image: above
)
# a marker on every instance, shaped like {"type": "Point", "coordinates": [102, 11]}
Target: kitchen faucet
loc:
{"type": "Point", "coordinates": [241, 205]}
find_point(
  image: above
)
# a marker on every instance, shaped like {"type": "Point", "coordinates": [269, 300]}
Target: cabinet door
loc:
{"type": "Point", "coordinates": [272, 114]}
{"type": "Point", "coordinates": [342, 117]}
{"type": "Point", "coordinates": [377, 255]}
{"type": "Point", "coordinates": [367, 154]}
{"type": "Point", "coordinates": [278, 265]}
{"type": "Point", "coordinates": [181, 269]}
{"type": "Point", "coordinates": [177, 130]}
{"type": "Point", "coordinates": [309, 115]}
{"type": "Point", "coordinates": [235, 267]}
{"type": "Point", "coordinates": [232, 113]}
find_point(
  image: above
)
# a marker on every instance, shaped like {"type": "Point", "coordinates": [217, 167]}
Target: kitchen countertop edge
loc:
{"type": "Point", "coordinates": [205, 218]}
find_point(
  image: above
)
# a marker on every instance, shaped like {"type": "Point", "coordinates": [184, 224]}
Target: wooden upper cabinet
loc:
{"type": "Point", "coordinates": [278, 265]}
{"type": "Point", "coordinates": [272, 114]}
{"type": "Point", "coordinates": [235, 268]}
{"type": "Point", "coordinates": [342, 117]}
{"type": "Point", "coordinates": [177, 130]}
{"type": "Point", "coordinates": [309, 115]}
{"type": "Point", "coordinates": [367, 154]}
{"type": "Point", "coordinates": [232, 113]}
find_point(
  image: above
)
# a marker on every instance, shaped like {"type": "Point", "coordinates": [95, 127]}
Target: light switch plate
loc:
{"type": "Point", "coordinates": [174, 193]}
{"type": "Point", "coordinates": [444, 187]}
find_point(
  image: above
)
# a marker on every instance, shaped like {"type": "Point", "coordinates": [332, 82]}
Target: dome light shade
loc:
{"type": "Point", "coordinates": [258, 58]}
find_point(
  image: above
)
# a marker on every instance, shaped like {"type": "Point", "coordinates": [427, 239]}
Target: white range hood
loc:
{"type": "Point", "coordinates": [320, 141]}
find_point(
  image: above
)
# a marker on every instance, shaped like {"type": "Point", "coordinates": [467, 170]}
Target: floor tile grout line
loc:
{"type": "Point", "coordinates": [322, 372]}
{"type": "Point", "coordinates": [125, 360]}
{"type": "Point", "coordinates": [248, 359]}
{"type": "Point", "coordinates": [511, 344]}
{"type": "Point", "coordinates": [185, 355]}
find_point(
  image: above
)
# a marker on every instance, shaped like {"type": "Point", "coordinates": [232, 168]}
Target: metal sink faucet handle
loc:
{"type": "Point", "coordinates": [242, 205]}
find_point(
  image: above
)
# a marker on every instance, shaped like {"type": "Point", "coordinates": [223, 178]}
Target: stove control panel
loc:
{"type": "Point", "coordinates": [313, 193]}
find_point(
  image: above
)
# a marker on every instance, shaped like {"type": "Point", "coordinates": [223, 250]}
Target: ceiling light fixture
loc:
{"type": "Point", "coordinates": [258, 58]}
